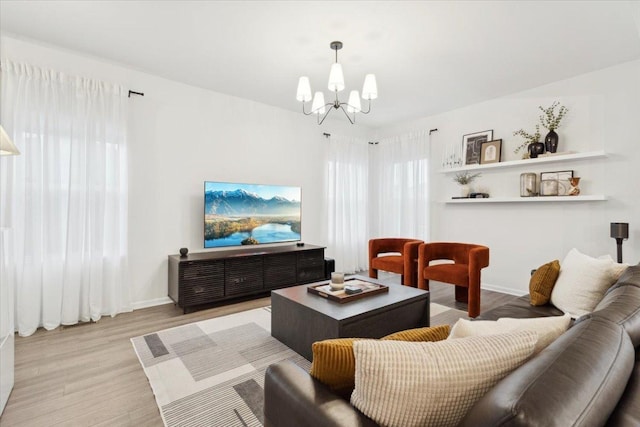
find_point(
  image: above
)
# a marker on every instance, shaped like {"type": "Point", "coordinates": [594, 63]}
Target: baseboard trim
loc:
{"type": "Point", "coordinates": [151, 303]}
{"type": "Point", "coordinates": [503, 290]}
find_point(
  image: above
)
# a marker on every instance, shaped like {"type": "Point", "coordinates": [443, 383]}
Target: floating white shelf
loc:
{"type": "Point", "coordinates": [546, 199]}
{"type": "Point", "coordinates": [531, 162]}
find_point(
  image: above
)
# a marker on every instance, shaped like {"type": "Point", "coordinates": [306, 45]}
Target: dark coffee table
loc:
{"type": "Point", "coordinates": [299, 318]}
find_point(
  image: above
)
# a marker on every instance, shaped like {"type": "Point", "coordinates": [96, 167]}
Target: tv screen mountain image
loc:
{"type": "Point", "coordinates": [250, 214]}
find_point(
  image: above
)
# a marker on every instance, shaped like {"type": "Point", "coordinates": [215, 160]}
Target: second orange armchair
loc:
{"type": "Point", "coordinates": [468, 259]}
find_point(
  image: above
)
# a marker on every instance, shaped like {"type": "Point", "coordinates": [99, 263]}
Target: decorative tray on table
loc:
{"type": "Point", "coordinates": [353, 289]}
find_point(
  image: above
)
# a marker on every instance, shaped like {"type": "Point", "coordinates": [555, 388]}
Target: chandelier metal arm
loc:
{"type": "Point", "coordinates": [368, 110]}
{"type": "Point", "coordinates": [304, 112]}
{"type": "Point", "coordinates": [347, 114]}
{"type": "Point", "coordinates": [325, 114]}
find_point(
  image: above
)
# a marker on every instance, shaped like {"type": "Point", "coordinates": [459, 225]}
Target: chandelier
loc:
{"type": "Point", "coordinates": [336, 84]}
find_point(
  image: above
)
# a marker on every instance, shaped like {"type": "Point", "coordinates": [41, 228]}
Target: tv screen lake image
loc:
{"type": "Point", "coordinates": [248, 214]}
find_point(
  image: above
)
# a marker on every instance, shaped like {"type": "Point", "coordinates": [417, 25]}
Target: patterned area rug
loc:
{"type": "Point", "coordinates": [212, 372]}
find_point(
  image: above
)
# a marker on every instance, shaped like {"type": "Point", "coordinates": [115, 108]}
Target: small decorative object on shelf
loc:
{"type": "Point", "coordinates": [562, 177]}
{"type": "Point", "coordinates": [471, 145]}
{"type": "Point", "coordinates": [535, 149]}
{"type": "Point", "coordinates": [528, 184]}
{"type": "Point", "coordinates": [551, 121]}
{"type": "Point", "coordinates": [184, 251]}
{"type": "Point", "coordinates": [491, 152]}
{"type": "Point", "coordinates": [549, 187]}
{"type": "Point", "coordinates": [451, 157]}
{"type": "Point", "coordinates": [464, 179]}
{"type": "Point", "coordinates": [531, 142]}
{"type": "Point", "coordinates": [574, 190]}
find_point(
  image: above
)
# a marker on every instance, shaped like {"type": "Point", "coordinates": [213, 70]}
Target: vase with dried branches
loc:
{"type": "Point", "coordinates": [550, 119]}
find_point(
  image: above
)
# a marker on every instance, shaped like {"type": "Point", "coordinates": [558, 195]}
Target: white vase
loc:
{"type": "Point", "coordinates": [465, 190]}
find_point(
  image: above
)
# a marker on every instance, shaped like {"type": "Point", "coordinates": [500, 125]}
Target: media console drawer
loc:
{"type": "Point", "coordinates": [208, 277]}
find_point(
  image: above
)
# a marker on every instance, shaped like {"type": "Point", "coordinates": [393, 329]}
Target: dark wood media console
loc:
{"type": "Point", "coordinates": [207, 277]}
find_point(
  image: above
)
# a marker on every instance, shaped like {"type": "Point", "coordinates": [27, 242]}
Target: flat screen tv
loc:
{"type": "Point", "coordinates": [250, 214]}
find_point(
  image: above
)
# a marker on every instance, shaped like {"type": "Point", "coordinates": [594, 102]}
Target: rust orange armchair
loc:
{"type": "Point", "coordinates": [402, 261]}
{"type": "Point", "coordinates": [468, 259]}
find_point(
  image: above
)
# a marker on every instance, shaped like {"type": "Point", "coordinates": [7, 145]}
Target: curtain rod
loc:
{"type": "Point", "coordinates": [135, 93]}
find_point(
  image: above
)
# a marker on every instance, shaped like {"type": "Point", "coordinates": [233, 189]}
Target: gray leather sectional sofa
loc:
{"type": "Point", "coordinates": [590, 376]}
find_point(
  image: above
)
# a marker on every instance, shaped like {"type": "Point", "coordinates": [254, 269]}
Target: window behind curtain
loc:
{"type": "Point", "coordinates": [399, 196]}
{"type": "Point", "coordinates": [65, 196]}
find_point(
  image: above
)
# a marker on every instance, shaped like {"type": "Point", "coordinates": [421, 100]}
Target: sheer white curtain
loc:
{"type": "Point", "coordinates": [65, 196]}
{"type": "Point", "coordinates": [400, 187]}
{"type": "Point", "coordinates": [347, 203]}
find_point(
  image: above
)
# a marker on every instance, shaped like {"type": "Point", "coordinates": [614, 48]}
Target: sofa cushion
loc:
{"type": "Point", "coordinates": [583, 281]}
{"type": "Point", "coordinates": [334, 363]}
{"type": "Point", "coordinates": [621, 304]}
{"type": "Point", "coordinates": [542, 282]}
{"type": "Point", "coordinates": [547, 328]}
{"type": "Point", "coordinates": [520, 308]}
{"type": "Point", "coordinates": [631, 275]}
{"type": "Point", "coordinates": [292, 398]}
{"type": "Point", "coordinates": [432, 384]}
{"type": "Point", "coordinates": [577, 380]}
{"type": "Point", "coordinates": [393, 263]}
{"type": "Point", "coordinates": [627, 413]}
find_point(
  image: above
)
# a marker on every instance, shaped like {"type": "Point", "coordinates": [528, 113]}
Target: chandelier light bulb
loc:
{"type": "Point", "coordinates": [336, 78]}
{"type": "Point", "coordinates": [304, 89]}
{"type": "Point", "coordinates": [318, 106]}
{"type": "Point", "coordinates": [353, 106]}
{"type": "Point", "coordinates": [370, 88]}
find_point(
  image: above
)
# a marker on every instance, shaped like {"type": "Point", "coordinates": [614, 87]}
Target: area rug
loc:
{"type": "Point", "coordinates": [211, 373]}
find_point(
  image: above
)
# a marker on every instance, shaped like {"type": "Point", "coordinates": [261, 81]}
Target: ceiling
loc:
{"type": "Point", "coordinates": [428, 57]}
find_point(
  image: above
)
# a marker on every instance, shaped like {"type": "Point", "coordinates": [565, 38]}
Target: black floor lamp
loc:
{"type": "Point", "coordinates": [619, 231]}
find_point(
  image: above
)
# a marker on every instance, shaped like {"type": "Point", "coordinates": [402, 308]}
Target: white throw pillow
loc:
{"type": "Point", "coordinates": [582, 282]}
{"type": "Point", "coordinates": [547, 328]}
{"type": "Point", "coordinates": [432, 383]}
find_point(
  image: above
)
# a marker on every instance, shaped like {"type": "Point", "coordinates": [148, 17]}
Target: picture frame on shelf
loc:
{"type": "Point", "coordinates": [472, 145]}
{"type": "Point", "coordinates": [562, 179]}
{"type": "Point", "coordinates": [491, 152]}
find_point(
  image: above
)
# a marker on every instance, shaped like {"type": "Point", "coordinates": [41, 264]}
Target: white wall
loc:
{"type": "Point", "coordinates": [604, 115]}
{"type": "Point", "coordinates": [181, 136]}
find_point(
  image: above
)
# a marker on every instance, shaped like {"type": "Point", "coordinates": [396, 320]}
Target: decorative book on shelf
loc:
{"type": "Point", "coordinates": [360, 287]}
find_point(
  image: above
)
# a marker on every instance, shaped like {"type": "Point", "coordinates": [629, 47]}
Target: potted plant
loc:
{"type": "Point", "coordinates": [551, 121]}
{"type": "Point", "coordinates": [464, 179]}
{"type": "Point", "coordinates": [531, 142]}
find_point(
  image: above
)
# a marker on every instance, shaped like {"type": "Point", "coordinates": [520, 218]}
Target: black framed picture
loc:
{"type": "Point", "coordinates": [491, 151]}
{"type": "Point", "coordinates": [472, 145]}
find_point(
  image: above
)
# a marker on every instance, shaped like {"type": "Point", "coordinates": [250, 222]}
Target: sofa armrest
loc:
{"type": "Point", "coordinates": [293, 398]}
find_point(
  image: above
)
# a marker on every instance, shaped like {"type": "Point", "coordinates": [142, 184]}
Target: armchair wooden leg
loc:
{"type": "Point", "coordinates": [373, 273]}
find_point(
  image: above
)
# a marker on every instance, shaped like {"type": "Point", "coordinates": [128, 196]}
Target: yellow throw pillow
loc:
{"type": "Point", "coordinates": [433, 333]}
{"type": "Point", "coordinates": [335, 365]}
{"type": "Point", "coordinates": [542, 283]}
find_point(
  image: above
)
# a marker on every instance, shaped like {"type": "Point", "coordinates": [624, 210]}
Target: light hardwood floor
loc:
{"type": "Point", "coordinates": [89, 375]}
